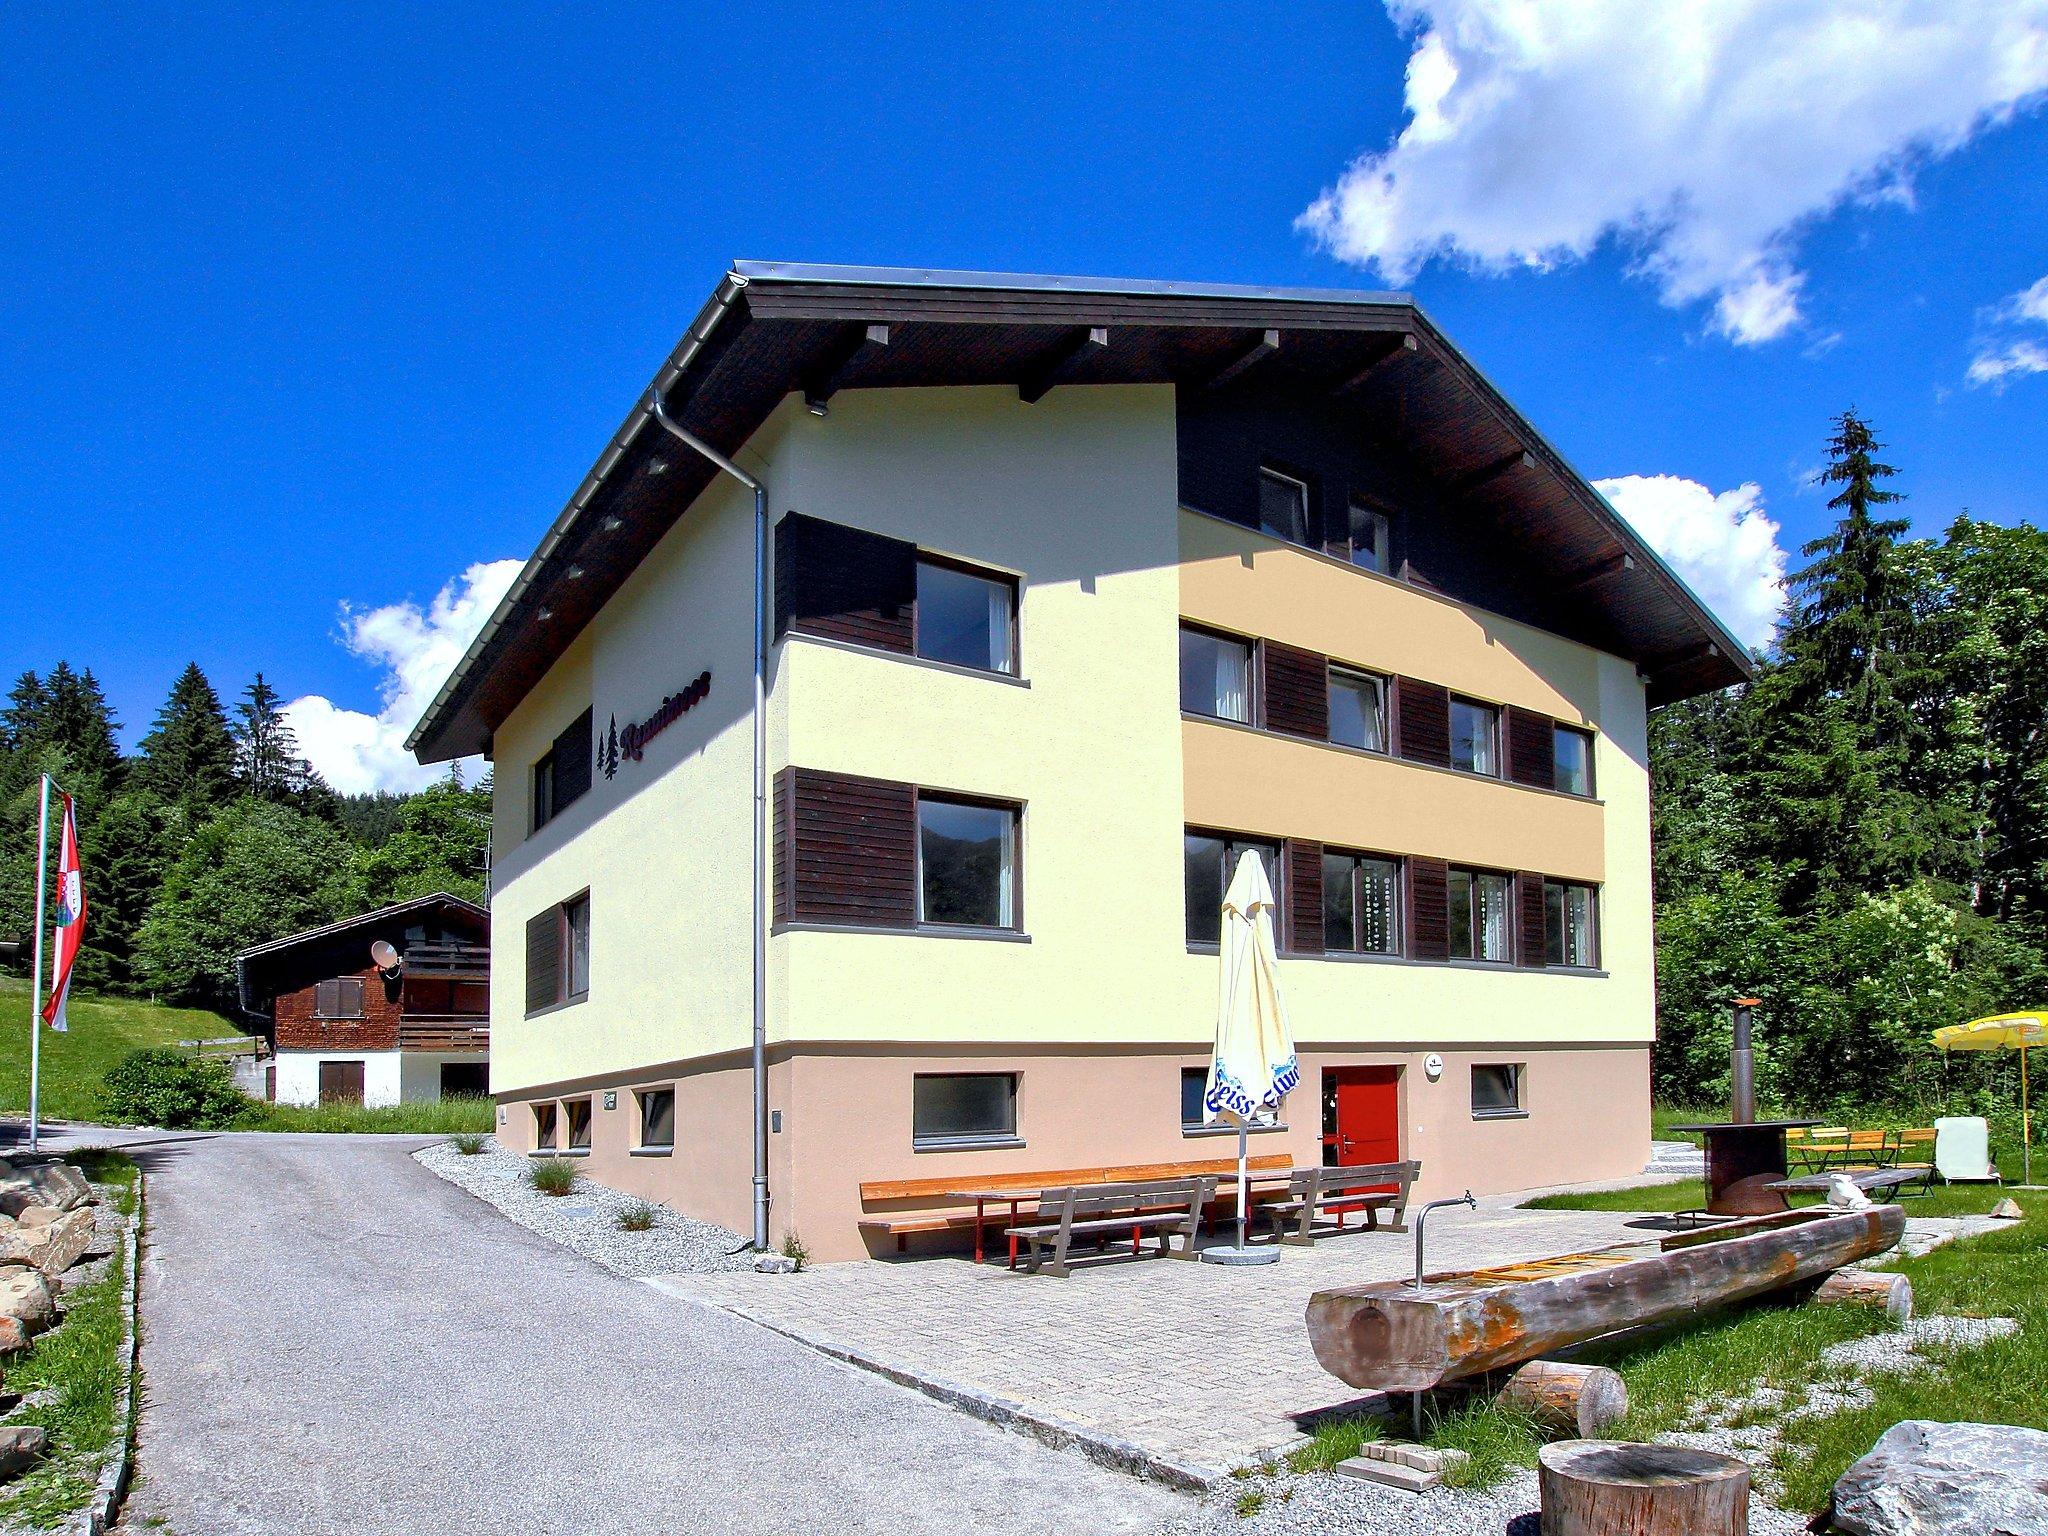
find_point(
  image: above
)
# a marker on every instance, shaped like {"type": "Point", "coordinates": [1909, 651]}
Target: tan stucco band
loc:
{"type": "Point", "coordinates": [1279, 786]}
{"type": "Point", "coordinates": [845, 1120]}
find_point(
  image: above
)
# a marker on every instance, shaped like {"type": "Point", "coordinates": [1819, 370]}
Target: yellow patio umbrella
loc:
{"type": "Point", "coordinates": [2004, 1032]}
{"type": "Point", "coordinates": [1253, 1066]}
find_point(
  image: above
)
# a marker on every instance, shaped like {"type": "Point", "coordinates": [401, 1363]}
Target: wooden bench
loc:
{"type": "Point", "coordinates": [1165, 1206]}
{"type": "Point", "coordinates": [1314, 1192]}
{"type": "Point", "coordinates": [1026, 1188]}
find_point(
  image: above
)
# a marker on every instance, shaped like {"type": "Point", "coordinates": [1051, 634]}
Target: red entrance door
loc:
{"type": "Point", "coordinates": [1361, 1116]}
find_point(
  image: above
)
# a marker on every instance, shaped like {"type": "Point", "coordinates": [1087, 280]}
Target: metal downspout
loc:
{"type": "Point", "coordinates": [760, 1055]}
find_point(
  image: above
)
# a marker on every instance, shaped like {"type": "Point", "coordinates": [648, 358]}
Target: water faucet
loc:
{"type": "Point", "coordinates": [1423, 1215]}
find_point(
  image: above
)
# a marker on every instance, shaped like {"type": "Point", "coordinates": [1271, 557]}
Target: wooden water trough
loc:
{"type": "Point", "coordinates": [1394, 1337]}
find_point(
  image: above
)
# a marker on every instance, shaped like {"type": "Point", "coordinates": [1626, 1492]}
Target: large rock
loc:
{"type": "Point", "coordinates": [57, 1185]}
{"type": "Point", "coordinates": [53, 1247]}
{"type": "Point", "coordinates": [20, 1445]}
{"type": "Point", "coordinates": [13, 1337]}
{"type": "Point", "coordinates": [26, 1297]}
{"type": "Point", "coordinates": [1926, 1478]}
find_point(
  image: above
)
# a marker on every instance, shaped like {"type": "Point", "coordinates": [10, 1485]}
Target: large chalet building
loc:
{"type": "Point", "coordinates": [1067, 593]}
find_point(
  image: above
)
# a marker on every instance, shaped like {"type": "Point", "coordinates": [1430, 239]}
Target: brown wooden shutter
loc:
{"type": "Point", "coordinates": [326, 999]}
{"type": "Point", "coordinates": [1296, 690]}
{"type": "Point", "coordinates": [572, 763]}
{"type": "Point", "coordinates": [852, 850]}
{"type": "Point", "coordinates": [779, 843]}
{"type": "Point", "coordinates": [1429, 909]}
{"type": "Point", "coordinates": [544, 959]}
{"type": "Point", "coordinates": [843, 583]}
{"type": "Point", "coordinates": [1532, 942]}
{"type": "Point", "coordinates": [1422, 715]}
{"type": "Point", "coordinates": [1304, 897]}
{"type": "Point", "coordinates": [1532, 748]}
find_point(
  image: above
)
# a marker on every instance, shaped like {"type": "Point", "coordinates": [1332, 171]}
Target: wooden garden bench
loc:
{"type": "Point", "coordinates": [1168, 1207]}
{"type": "Point", "coordinates": [1313, 1193]}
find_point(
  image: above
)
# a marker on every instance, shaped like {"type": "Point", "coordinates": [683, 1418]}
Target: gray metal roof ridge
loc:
{"type": "Point", "coordinates": [1048, 282]}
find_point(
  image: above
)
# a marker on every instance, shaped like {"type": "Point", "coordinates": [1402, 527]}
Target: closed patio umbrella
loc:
{"type": "Point", "coordinates": [1252, 1067]}
{"type": "Point", "coordinates": [2004, 1032]}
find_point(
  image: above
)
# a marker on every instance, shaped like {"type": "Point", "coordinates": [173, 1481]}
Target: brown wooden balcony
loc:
{"type": "Point", "coordinates": [444, 1032]}
{"type": "Point", "coordinates": [449, 959]}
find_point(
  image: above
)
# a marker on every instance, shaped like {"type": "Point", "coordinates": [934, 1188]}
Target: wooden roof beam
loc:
{"type": "Point", "coordinates": [1403, 346]}
{"type": "Point", "coordinates": [1267, 344]}
{"type": "Point", "coordinates": [1060, 364]}
{"type": "Point", "coordinates": [840, 364]}
{"type": "Point", "coordinates": [1486, 474]}
{"type": "Point", "coordinates": [1599, 570]}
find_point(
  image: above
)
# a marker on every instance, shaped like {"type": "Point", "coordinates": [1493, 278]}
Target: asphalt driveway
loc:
{"type": "Point", "coordinates": [335, 1340]}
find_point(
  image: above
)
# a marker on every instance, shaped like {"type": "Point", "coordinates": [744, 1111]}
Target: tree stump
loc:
{"type": "Point", "coordinates": [1578, 1400]}
{"type": "Point", "coordinates": [1892, 1292]}
{"type": "Point", "coordinates": [1610, 1488]}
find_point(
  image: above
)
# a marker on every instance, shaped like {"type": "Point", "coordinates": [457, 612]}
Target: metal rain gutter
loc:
{"type": "Point", "coordinates": [760, 945]}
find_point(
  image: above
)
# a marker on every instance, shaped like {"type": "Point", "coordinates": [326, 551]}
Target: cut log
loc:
{"type": "Point", "coordinates": [1610, 1488]}
{"type": "Point", "coordinates": [1392, 1336]}
{"type": "Point", "coordinates": [1576, 1400]}
{"type": "Point", "coordinates": [1894, 1293]}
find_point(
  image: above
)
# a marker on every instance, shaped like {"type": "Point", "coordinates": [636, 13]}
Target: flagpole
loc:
{"type": "Point", "coordinates": [35, 990]}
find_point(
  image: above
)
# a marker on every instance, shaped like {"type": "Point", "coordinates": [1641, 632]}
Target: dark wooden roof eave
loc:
{"type": "Point", "coordinates": [773, 331]}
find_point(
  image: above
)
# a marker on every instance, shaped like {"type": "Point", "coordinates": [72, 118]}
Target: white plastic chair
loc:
{"type": "Point", "coordinates": [1962, 1151]}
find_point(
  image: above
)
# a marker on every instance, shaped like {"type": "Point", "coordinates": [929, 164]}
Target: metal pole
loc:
{"type": "Point", "coordinates": [1243, 1193]}
{"type": "Point", "coordinates": [2026, 1125]}
{"type": "Point", "coordinates": [35, 987]}
{"type": "Point", "coordinates": [689, 439]}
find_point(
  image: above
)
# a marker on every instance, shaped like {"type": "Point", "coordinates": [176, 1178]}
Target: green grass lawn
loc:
{"type": "Point", "coordinates": [1690, 1195]}
{"type": "Point", "coordinates": [103, 1030]}
{"type": "Point", "coordinates": [77, 1370]}
{"type": "Point", "coordinates": [442, 1117]}
{"type": "Point", "coordinates": [1672, 1374]}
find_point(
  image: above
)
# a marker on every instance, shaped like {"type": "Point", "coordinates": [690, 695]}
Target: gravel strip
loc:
{"type": "Point", "coordinates": [587, 1218]}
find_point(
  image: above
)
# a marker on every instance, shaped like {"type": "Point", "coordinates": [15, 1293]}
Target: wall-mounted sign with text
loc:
{"type": "Point", "coordinates": [631, 740]}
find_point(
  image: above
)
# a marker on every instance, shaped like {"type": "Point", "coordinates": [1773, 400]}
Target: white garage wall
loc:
{"type": "Point", "coordinates": [298, 1075]}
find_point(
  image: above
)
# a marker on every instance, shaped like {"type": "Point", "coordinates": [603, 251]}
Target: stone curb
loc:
{"type": "Point", "coordinates": [1061, 1434]}
{"type": "Point", "coordinates": [112, 1487]}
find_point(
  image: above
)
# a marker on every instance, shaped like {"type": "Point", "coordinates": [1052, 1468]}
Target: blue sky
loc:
{"type": "Point", "coordinates": [305, 307]}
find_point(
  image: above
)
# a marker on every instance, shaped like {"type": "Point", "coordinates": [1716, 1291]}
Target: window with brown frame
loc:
{"type": "Point", "coordinates": [1572, 760]}
{"type": "Point", "coordinates": [1571, 928]}
{"type": "Point", "coordinates": [657, 1118]}
{"type": "Point", "coordinates": [1358, 709]}
{"type": "Point", "coordinates": [544, 1126]}
{"type": "Point", "coordinates": [965, 617]}
{"type": "Point", "coordinates": [558, 954]}
{"type": "Point", "coordinates": [1497, 1091]}
{"type": "Point", "coordinates": [1209, 860]}
{"type": "Point", "coordinates": [1361, 904]}
{"type": "Point", "coordinates": [1372, 545]}
{"type": "Point", "coordinates": [339, 998]}
{"type": "Point", "coordinates": [966, 862]}
{"type": "Point", "coordinates": [1482, 925]}
{"type": "Point", "coordinates": [1475, 737]}
{"type": "Point", "coordinates": [562, 776]}
{"type": "Point", "coordinates": [1215, 675]}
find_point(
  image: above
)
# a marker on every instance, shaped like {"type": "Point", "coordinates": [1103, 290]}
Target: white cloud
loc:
{"type": "Point", "coordinates": [1725, 547]}
{"type": "Point", "coordinates": [1702, 135]}
{"type": "Point", "coordinates": [2002, 356]}
{"type": "Point", "coordinates": [417, 649]}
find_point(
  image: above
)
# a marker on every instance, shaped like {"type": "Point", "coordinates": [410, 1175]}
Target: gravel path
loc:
{"type": "Point", "coordinates": [334, 1340]}
{"type": "Point", "coordinates": [587, 1218]}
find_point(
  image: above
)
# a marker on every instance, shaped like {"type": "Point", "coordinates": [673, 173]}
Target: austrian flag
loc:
{"type": "Point", "coordinates": [70, 934]}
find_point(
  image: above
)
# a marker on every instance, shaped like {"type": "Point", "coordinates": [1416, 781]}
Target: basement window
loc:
{"type": "Point", "coordinates": [657, 1118]}
{"type": "Point", "coordinates": [544, 1127]}
{"type": "Point", "coordinates": [1497, 1091]}
{"type": "Point", "coordinates": [576, 1114]}
{"type": "Point", "coordinates": [962, 1109]}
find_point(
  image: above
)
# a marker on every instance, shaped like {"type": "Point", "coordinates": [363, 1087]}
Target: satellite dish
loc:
{"type": "Point", "coordinates": [385, 957]}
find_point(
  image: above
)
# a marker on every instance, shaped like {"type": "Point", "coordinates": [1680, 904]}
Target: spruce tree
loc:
{"type": "Point", "coordinates": [188, 757]}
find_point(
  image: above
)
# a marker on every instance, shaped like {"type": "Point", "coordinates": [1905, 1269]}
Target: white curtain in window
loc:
{"type": "Point", "coordinates": [1005, 885]}
{"type": "Point", "coordinates": [1493, 917]}
{"type": "Point", "coordinates": [1233, 682]}
{"type": "Point", "coordinates": [999, 648]}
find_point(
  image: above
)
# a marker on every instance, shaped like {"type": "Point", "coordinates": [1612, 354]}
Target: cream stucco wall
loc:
{"type": "Point", "coordinates": [663, 847]}
{"type": "Point", "coordinates": [1075, 493]}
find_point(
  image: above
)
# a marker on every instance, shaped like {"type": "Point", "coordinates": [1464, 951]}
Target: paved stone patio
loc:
{"type": "Point", "coordinates": [1175, 1369]}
